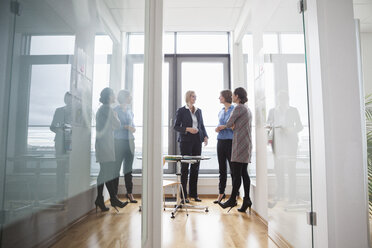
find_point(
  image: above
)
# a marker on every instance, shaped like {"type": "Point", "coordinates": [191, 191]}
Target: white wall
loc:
{"type": "Point", "coordinates": [339, 179]}
{"type": "Point", "coordinates": [366, 43]}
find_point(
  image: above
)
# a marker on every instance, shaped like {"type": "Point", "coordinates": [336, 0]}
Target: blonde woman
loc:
{"type": "Point", "coordinates": [189, 124]}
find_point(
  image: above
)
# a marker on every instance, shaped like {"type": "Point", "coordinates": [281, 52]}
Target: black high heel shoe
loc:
{"type": "Point", "coordinates": [101, 204]}
{"type": "Point", "coordinates": [247, 203]}
{"type": "Point", "coordinates": [115, 202]}
{"type": "Point", "coordinates": [217, 201]}
{"type": "Point", "coordinates": [131, 199]}
{"type": "Point", "coordinates": [229, 203]}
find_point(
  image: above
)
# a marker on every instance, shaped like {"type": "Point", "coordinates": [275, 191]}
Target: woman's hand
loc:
{"type": "Point", "coordinates": [219, 128]}
{"type": "Point", "coordinates": [130, 128]}
{"type": "Point", "coordinates": [192, 130]}
{"type": "Point", "coordinates": [205, 141]}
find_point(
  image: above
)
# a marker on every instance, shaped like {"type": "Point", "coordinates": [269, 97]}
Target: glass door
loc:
{"type": "Point", "coordinates": [60, 62]}
{"type": "Point", "coordinates": [282, 83]}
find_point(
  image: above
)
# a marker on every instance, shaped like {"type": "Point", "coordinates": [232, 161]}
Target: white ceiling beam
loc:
{"type": "Point", "coordinates": [108, 21]}
{"type": "Point", "coordinates": [243, 22]}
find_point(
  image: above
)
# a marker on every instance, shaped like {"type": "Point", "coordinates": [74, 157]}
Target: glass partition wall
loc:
{"type": "Point", "coordinates": [282, 118]}
{"type": "Point", "coordinates": [363, 15]}
{"type": "Point", "coordinates": [64, 54]}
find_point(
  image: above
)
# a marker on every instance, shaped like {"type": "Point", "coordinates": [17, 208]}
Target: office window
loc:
{"type": "Point", "coordinates": [168, 43]}
{"type": "Point", "coordinates": [136, 44]}
{"type": "Point", "coordinates": [270, 44]}
{"type": "Point", "coordinates": [103, 45]}
{"type": "Point", "coordinates": [101, 79]}
{"type": "Point", "coordinates": [52, 45]}
{"type": "Point", "coordinates": [292, 43]}
{"type": "Point", "coordinates": [202, 43]}
{"type": "Point", "coordinates": [48, 84]}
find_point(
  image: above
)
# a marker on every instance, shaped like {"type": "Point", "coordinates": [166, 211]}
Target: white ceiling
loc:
{"type": "Point", "coordinates": [180, 15]}
{"type": "Point", "coordinates": [215, 15]}
{"type": "Point", "coordinates": [363, 12]}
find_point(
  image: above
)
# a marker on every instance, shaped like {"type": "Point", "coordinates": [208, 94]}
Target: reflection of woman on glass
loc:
{"type": "Point", "coordinates": [124, 142]}
{"type": "Point", "coordinates": [224, 141]}
{"type": "Point", "coordinates": [241, 120]}
{"type": "Point", "coordinates": [285, 123]}
{"type": "Point", "coordinates": [189, 124]}
{"type": "Point", "coordinates": [106, 122]}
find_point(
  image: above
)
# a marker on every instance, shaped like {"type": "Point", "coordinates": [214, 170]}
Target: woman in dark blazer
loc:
{"type": "Point", "coordinates": [189, 124]}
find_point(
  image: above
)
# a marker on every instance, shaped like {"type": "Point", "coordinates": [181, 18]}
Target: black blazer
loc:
{"type": "Point", "coordinates": [184, 120]}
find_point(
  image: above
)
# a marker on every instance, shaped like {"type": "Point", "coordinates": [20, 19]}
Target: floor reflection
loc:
{"type": "Point", "coordinates": [214, 229]}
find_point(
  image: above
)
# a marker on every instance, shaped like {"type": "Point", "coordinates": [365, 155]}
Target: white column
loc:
{"type": "Point", "coordinates": [152, 170]}
{"type": "Point", "coordinates": [339, 178]}
{"type": "Point", "coordinates": [116, 68]}
{"type": "Point", "coordinates": [238, 77]}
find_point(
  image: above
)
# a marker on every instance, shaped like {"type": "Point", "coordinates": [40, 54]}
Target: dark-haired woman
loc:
{"type": "Point", "coordinates": [241, 120]}
{"type": "Point", "coordinates": [224, 141]}
{"type": "Point", "coordinates": [106, 122]}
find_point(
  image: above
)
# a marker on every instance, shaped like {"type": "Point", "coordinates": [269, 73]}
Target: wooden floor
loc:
{"type": "Point", "coordinates": [214, 229]}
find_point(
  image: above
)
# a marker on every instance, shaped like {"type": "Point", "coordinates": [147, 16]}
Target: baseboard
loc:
{"type": "Point", "coordinates": [261, 218]}
{"type": "Point", "coordinates": [278, 239]}
{"type": "Point", "coordinates": [60, 234]}
{"type": "Point", "coordinates": [43, 228]}
{"type": "Point", "coordinates": [274, 236]}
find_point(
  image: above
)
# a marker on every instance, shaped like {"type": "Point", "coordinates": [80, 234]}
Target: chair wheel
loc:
{"type": "Point", "coordinates": [140, 209]}
{"type": "Point", "coordinates": [206, 210]}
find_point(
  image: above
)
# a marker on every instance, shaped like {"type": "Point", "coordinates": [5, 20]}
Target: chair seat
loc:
{"type": "Point", "coordinates": [167, 183]}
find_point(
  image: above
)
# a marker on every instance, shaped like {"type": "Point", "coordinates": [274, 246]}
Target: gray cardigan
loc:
{"type": "Point", "coordinates": [241, 117]}
{"type": "Point", "coordinates": [106, 123]}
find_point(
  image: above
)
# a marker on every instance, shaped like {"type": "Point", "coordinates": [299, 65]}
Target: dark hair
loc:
{"type": "Point", "coordinates": [105, 95]}
{"type": "Point", "coordinates": [67, 98]}
{"type": "Point", "coordinates": [242, 94]}
{"type": "Point", "coordinates": [226, 94]}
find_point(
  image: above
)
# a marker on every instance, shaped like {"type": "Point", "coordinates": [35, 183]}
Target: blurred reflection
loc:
{"type": "Point", "coordinates": [124, 142]}
{"type": "Point", "coordinates": [61, 126]}
{"type": "Point", "coordinates": [285, 124]}
{"type": "Point", "coordinates": [107, 122]}
{"type": "Point", "coordinates": [64, 53]}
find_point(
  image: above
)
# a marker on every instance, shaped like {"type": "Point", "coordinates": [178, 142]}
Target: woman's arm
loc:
{"type": "Point", "coordinates": [131, 127]}
{"type": "Point", "coordinates": [115, 122]}
{"type": "Point", "coordinates": [236, 113]}
{"type": "Point", "coordinates": [53, 127]}
{"type": "Point", "coordinates": [177, 124]}
{"type": "Point", "coordinates": [298, 124]}
{"type": "Point", "coordinates": [202, 125]}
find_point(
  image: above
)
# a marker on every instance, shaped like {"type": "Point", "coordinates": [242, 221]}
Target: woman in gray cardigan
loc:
{"type": "Point", "coordinates": [106, 122]}
{"type": "Point", "coordinates": [241, 122]}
